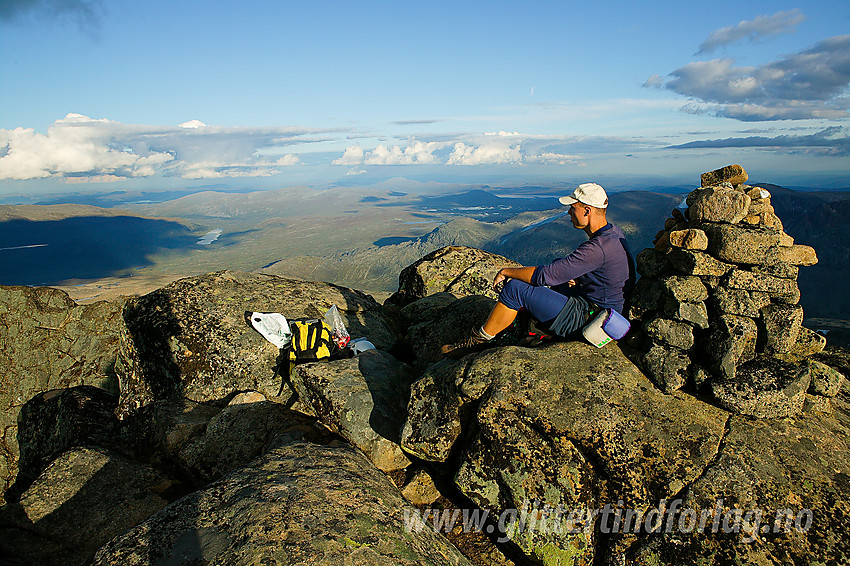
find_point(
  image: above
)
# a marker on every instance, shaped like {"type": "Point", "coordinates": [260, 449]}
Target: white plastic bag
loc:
{"type": "Point", "coordinates": [334, 320]}
{"type": "Point", "coordinates": [273, 326]}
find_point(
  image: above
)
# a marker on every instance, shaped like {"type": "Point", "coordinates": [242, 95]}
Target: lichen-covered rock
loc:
{"type": "Point", "coordinates": [364, 399]}
{"type": "Point", "coordinates": [57, 420]}
{"type": "Point", "coordinates": [808, 343]}
{"type": "Point", "coordinates": [80, 502]}
{"type": "Point", "coordinates": [690, 239]}
{"type": "Point", "coordinates": [421, 489]}
{"type": "Point", "coordinates": [425, 309]}
{"type": "Point", "coordinates": [795, 468]}
{"type": "Point", "coordinates": [668, 367]}
{"type": "Point", "coordinates": [49, 342]}
{"type": "Point", "coordinates": [241, 432]}
{"type": "Point", "coordinates": [764, 387]}
{"type": "Point", "coordinates": [433, 412]}
{"type": "Point", "coordinates": [825, 381]}
{"type": "Point", "coordinates": [453, 269]}
{"type": "Point", "coordinates": [773, 286]}
{"type": "Point", "coordinates": [717, 204]}
{"type": "Point", "coordinates": [732, 342]}
{"type": "Point", "coordinates": [672, 332]}
{"type": "Point", "coordinates": [684, 288]}
{"type": "Point", "coordinates": [651, 263]}
{"type": "Point", "coordinates": [579, 426]}
{"type": "Point", "coordinates": [782, 270]}
{"type": "Point", "coordinates": [302, 503]}
{"type": "Point", "coordinates": [782, 325]}
{"type": "Point", "coordinates": [740, 302]}
{"type": "Point", "coordinates": [693, 313]}
{"type": "Point", "coordinates": [194, 341]}
{"type": "Point", "coordinates": [736, 243]}
{"type": "Point", "coordinates": [453, 322]}
{"type": "Point", "coordinates": [691, 262]}
{"type": "Point", "coordinates": [732, 174]}
{"type": "Point", "coordinates": [798, 255]}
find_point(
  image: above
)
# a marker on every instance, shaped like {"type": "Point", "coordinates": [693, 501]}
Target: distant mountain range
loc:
{"type": "Point", "coordinates": [363, 237]}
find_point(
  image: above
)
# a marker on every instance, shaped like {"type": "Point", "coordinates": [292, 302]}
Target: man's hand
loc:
{"type": "Point", "coordinates": [571, 283]}
{"type": "Point", "coordinates": [499, 280]}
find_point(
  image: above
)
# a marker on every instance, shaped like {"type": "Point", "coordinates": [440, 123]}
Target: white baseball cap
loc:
{"type": "Point", "coordinates": [590, 194]}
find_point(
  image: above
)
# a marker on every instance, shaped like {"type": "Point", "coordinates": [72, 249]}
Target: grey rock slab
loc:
{"type": "Point", "coordinates": [574, 425]}
{"type": "Point", "coordinates": [668, 367]}
{"type": "Point", "coordinates": [195, 341]}
{"type": "Point", "coordinates": [299, 504]}
{"type": "Point", "coordinates": [80, 502]}
{"type": "Point", "coordinates": [364, 399]}
{"type": "Point", "coordinates": [764, 387]}
{"type": "Point", "coordinates": [825, 380]}
{"type": "Point", "coordinates": [53, 422]}
{"type": "Point", "coordinates": [781, 324]}
{"type": "Point", "coordinates": [735, 243]}
{"type": "Point", "coordinates": [455, 269]}
{"type": "Point", "coordinates": [718, 204]}
{"type": "Point", "coordinates": [49, 342]}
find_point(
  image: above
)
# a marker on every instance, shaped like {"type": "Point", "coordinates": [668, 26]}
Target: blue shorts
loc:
{"type": "Point", "coordinates": [545, 304]}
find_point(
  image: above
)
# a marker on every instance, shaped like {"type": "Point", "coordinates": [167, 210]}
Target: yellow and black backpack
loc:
{"type": "Point", "coordinates": [311, 341]}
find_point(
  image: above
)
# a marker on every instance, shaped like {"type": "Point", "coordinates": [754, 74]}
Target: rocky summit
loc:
{"type": "Point", "coordinates": [164, 429]}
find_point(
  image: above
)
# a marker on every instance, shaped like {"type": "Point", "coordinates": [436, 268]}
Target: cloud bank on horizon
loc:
{"type": "Point", "coordinates": [809, 87]}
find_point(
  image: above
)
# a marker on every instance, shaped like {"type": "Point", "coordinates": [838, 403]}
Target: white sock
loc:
{"type": "Point", "coordinates": [483, 333]}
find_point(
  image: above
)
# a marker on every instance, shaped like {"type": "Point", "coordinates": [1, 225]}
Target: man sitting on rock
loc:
{"type": "Point", "coordinates": [564, 294]}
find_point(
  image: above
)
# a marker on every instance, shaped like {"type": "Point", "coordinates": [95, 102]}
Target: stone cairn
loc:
{"type": "Point", "coordinates": [716, 308]}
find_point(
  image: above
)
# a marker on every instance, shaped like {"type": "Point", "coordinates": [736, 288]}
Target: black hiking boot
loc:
{"type": "Point", "coordinates": [474, 342]}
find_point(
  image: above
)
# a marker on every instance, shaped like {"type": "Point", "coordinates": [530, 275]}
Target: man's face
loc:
{"type": "Point", "coordinates": [579, 214]}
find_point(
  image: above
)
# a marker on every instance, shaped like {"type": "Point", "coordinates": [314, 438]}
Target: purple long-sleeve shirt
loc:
{"type": "Point", "coordinates": [602, 268]}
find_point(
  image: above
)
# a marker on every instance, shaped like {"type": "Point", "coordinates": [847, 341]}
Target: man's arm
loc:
{"type": "Point", "coordinates": [584, 259]}
{"type": "Point", "coordinates": [521, 273]}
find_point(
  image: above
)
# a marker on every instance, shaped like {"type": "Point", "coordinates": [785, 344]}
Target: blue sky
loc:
{"type": "Point", "coordinates": [160, 94]}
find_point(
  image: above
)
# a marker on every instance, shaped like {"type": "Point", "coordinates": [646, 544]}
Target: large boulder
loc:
{"type": "Point", "coordinates": [299, 504]}
{"type": "Point", "coordinates": [194, 341]}
{"type": "Point", "coordinates": [718, 204]}
{"type": "Point", "coordinates": [567, 424]}
{"type": "Point", "coordinates": [451, 323]}
{"type": "Point", "coordinates": [53, 422]}
{"type": "Point", "coordinates": [49, 342]}
{"type": "Point", "coordinates": [735, 243]}
{"type": "Point", "coordinates": [239, 433]}
{"type": "Point", "coordinates": [731, 174]}
{"type": "Point", "coordinates": [764, 387]}
{"type": "Point", "coordinates": [364, 399]}
{"type": "Point", "coordinates": [774, 475]}
{"type": "Point", "coordinates": [453, 269]}
{"type": "Point", "coordinates": [80, 502]}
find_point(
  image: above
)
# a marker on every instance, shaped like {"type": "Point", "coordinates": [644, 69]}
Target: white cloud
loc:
{"type": "Point", "coordinates": [550, 158]}
{"type": "Point", "coordinates": [353, 155]}
{"type": "Point", "coordinates": [494, 153]}
{"type": "Point", "coordinates": [78, 146]}
{"type": "Point", "coordinates": [72, 146]}
{"type": "Point", "coordinates": [809, 84]}
{"type": "Point", "coordinates": [416, 153]}
{"type": "Point", "coordinates": [758, 28]}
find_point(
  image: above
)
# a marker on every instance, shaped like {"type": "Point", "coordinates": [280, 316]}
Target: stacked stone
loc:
{"type": "Point", "coordinates": [717, 303]}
